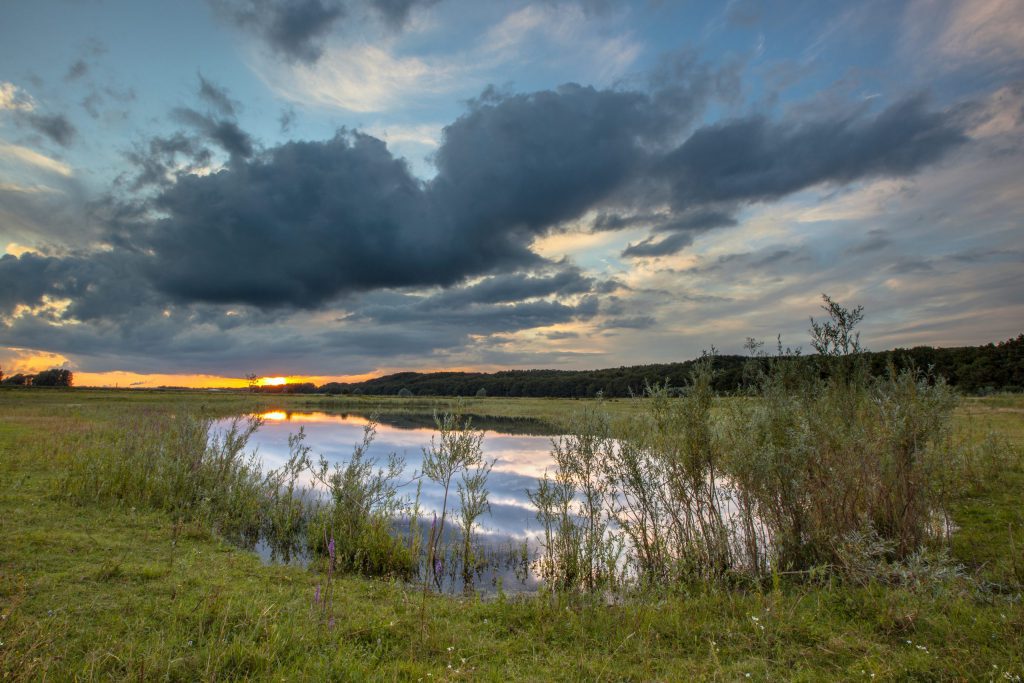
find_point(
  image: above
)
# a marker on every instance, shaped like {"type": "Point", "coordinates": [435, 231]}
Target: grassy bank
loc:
{"type": "Point", "coordinates": [101, 591]}
{"type": "Point", "coordinates": [551, 410]}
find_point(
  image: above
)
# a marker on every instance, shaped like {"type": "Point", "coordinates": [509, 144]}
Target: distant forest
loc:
{"type": "Point", "coordinates": [973, 369]}
{"type": "Point", "coordinates": [55, 377]}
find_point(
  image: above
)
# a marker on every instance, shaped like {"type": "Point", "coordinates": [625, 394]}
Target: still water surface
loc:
{"type": "Point", "coordinates": [519, 460]}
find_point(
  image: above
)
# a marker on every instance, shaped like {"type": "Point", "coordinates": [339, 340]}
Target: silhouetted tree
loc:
{"type": "Point", "coordinates": [54, 377]}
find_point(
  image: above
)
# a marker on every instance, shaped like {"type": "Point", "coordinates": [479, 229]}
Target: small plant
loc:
{"type": "Point", "coordinates": [580, 458]}
{"type": "Point", "coordinates": [560, 564]}
{"type": "Point", "coordinates": [287, 512]}
{"type": "Point", "coordinates": [457, 448]}
{"type": "Point", "coordinates": [473, 504]}
{"type": "Point", "coordinates": [363, 501]}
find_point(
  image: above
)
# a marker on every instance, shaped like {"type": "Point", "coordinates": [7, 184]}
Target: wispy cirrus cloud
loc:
{"type": "Point", "coordinates": [30, 157]}
{"type": "Point", "coordinates": [367, 76]}
{"type": "Point", "coordinates": [949, 36]}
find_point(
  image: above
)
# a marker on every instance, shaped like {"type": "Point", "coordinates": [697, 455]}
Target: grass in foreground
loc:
{"type": "Point", "coordinates": [106, 592]}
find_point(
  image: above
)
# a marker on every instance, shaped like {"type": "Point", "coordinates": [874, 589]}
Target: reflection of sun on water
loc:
{"type": "Point", "coordinates": [326, 418]}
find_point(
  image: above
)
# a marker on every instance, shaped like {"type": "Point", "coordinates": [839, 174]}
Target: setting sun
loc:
{"type": "Point", "coordinates": [273, 381]}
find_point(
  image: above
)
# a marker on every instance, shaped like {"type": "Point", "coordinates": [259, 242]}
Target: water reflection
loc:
{"type": "Point", "coordinates": [519, 459]}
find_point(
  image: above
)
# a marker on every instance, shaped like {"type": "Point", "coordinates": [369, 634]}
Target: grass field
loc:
{"type": "Point", "coordinates": [101, 592]}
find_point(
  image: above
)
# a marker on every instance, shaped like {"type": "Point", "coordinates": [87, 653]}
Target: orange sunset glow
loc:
{"type": "Point", "coordinates": [14, 360]}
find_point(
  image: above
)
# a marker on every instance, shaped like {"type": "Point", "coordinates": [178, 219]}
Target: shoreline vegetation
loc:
{"type": "Point", "coordinates": [829, 522]}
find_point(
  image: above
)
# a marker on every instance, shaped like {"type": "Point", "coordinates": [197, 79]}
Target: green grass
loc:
{"type": "Point", "coordinates": [227, 403]}
{"type": "Point", "coordinates": [97, 592]}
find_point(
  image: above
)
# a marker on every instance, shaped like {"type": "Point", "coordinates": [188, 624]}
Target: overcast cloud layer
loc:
{"type": "Point", "coordinates": [516, 203]}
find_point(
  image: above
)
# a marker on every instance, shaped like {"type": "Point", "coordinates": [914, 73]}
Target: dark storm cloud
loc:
{"type": "Point", "coordinates": [527, 162]}
{"type": "Point", "coordinates": [56, 127]}
{"type": "Point", "coordinates": [754, 159]}
{"type": "Point", "coordinates": [302, 224]}
{"type": "Point", "coordinates": [344, 215]}
{"type": "Point", "coordinates": [99, 287]}
{"type": "Point", "coordinates": [25, 279]}
{"type": "Point", "coordinates": [216, 96]}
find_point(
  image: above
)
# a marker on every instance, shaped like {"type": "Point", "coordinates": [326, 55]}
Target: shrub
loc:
{"type": "Point", "coordinates": [820, 452]}
{"type": "Point", "coordinates": [362, 501]}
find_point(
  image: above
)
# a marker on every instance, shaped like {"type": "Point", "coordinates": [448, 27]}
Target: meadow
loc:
{"type": "Point", "coordinates": [103, 579]}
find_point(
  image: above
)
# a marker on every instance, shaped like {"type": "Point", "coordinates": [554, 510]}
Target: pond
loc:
{"type": "Point", "coordinates": [509, 536]}
{"type": "Point", "coordinates": [521, 451]}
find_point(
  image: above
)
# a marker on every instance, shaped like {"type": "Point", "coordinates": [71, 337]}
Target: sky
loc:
{"type": "Point", "coordinates": [196, 191]}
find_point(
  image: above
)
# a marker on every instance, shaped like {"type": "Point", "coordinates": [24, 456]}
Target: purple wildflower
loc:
{"type": "Point", "coordinates": [330, 549]}
{"type": "Point", "coordinates": [438, 566]}
{"type": "Point", "coordinates": [316, 595]}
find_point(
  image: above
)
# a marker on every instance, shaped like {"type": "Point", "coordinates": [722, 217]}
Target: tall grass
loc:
{"type": "Point", "coordinates": [174, 463]}
{"type": "Point", "coordinates": [823, 467]}
{"type": "Point", "coordinates": [347, 516]}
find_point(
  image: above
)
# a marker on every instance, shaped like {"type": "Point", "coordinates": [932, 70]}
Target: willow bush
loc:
{"type": "Point", "coordinates": [820, 458]}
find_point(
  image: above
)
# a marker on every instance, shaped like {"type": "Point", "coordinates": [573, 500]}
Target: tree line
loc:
{"type": "Point", "coordinates": [972, 369]}
{"type": "Point", "coordinates": [54, 377]}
